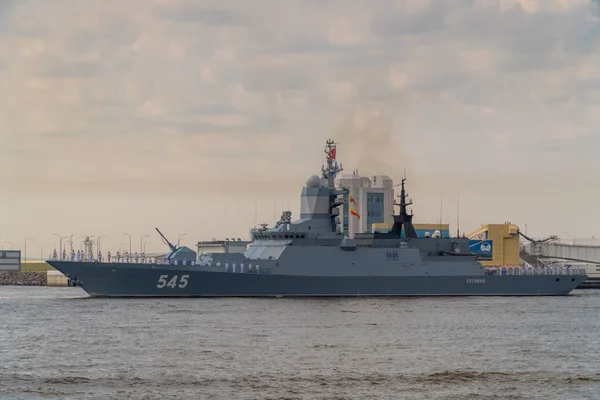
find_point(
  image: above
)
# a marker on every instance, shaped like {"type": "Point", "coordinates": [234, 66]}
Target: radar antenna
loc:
{"type": "Point", "coordinates": [166, 241]}
{"type": "Point", "coordinates": [332, 167]}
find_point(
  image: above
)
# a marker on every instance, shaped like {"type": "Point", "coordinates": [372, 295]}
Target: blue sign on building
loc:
{"type": "Point", "coordinates": [481, 248]}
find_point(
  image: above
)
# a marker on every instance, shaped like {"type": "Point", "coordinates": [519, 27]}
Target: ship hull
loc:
{"type": "Point", "coordinates": [159, 280]}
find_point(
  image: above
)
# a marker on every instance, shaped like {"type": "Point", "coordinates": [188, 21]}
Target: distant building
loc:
{"type": "Point", "coordinates": [10, 260]}
{"type": "Point", "coordinates": [368, 201]}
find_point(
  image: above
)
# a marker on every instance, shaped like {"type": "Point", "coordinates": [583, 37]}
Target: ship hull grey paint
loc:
{"type": "Point", "coordinates": [152, 280]}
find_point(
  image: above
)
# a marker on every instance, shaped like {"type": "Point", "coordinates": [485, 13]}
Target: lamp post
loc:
{"type": "Point", "coordinates": [144, 250]}
{"type": "Point", "coordinates": [127, 234]}
{"type": "Point", "coordinates": [100, 237]}
{"type": "Point", "coordinates": [179, 238]}
{"type": "Point", "coordinates": [59, 244]}
{"type": "Point", "coordinates": [141, 244]}
{"type": "Point", "coordinates": [26, 247]}
{"type": "Point", "coordinates": [42, 252]}
{"type": "Point", "coordinates": [65, 248]}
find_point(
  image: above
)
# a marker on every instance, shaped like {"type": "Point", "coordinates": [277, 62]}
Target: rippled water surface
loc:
{"type": "Point", "coordinates": [56, 343]}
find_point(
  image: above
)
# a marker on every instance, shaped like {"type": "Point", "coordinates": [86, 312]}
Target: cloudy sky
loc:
{"type": "Point", "coordinates": [119, 116]}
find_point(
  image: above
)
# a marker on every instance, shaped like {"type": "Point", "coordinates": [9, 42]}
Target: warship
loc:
{"type": "Point", "coordinates": [311, 256]}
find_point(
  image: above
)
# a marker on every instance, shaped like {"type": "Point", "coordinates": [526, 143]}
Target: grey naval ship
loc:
{"type": "Point", "coordinates": [312, 257]}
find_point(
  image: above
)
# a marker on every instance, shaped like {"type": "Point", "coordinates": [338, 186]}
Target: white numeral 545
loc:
{"type": "Point", "coordinates": [172, 283]}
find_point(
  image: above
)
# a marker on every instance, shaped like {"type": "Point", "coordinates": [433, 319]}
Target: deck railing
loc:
{"type": "Point", "coordinates": [521, 270]}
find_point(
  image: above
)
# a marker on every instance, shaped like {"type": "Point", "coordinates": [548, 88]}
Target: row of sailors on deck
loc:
{"type": "Point", "coordinates": [82, 256]}
{"type": "Point", "coordinates": [530, 270]}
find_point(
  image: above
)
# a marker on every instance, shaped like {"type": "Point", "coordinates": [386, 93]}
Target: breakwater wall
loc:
{"type": "Point", "coordinates": [16, 278]}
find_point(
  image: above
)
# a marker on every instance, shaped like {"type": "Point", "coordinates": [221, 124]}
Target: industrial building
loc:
{"type": "Point", "coordinates": [583, 253]}
{"type": "Point", "coordinates": [368, 201]}
{"type": "Point", "coordinates": [496, 244]}
{"type": "Point", "coordinates": [10, 260]}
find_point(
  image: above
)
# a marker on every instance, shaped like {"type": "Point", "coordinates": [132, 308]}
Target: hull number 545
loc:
{"type": "Point", "coordinates": [175, 281]}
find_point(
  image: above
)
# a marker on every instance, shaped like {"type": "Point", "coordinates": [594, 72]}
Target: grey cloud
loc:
{"type": "Point", "coordinates": [194, 12]}
{"type": "Point", "coordinates": [530, 106]}
{"type": "Point", "coordinates": [212, 109]}
{"type": "Point", "coordinates": [262, 79]}
{"type": "Point", "coordinates": [68, 69]}
{"type": "Point", "coordinates": [400, 24]}
{"type": "Point", "coordinates": [102, 37]}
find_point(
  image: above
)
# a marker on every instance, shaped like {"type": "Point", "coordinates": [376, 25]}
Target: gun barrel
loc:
{"type": "Point", "coordinates": [173, 248]}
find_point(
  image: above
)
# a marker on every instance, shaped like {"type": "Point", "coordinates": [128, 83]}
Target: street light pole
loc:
{"type": "Point", "coordinates": [26, 247]}
{"type": "Point", "coordinates": [141, 243]}
{"type": "Point", "coordinates": [100, 237]}
{"type": "Point", "coordinates": [127, 234]}
{"type": "Point", "coordinates": [179, 238]}
{"type": "Point", "coordinates": [42, 252]}
{"type": "Point", "coordinates": [65, 249]}
{"type": "Point", "coordinates": [59, 245]}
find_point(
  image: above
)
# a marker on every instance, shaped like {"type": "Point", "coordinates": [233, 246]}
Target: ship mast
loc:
{"type": "Point", "coordinates": [332, 168]}
{"type": "Point", "coordinates": [404, 219]}
{"type": "Point", "coordinates": [403, 202]}
{"type": "Point", "coordinates": [329, 173]}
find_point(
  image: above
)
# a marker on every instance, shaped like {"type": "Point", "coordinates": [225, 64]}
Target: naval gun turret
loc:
{"type": "Point", "coordinates": [179, 254]}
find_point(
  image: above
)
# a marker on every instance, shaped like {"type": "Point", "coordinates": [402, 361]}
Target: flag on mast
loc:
{"type": "Point", "coordinates": [332, 153]}
{"type": "Point", "coordinates": [353, 201]}
{"type": "Point", "coordinates": [354, 213]}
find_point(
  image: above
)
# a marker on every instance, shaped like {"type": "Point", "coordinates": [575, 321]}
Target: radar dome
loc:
{"type": "Point", "coordinates": [427, 234]}
{"type": "Point", "coordinates": [437, 234]}
{"type": "Point", "coordinates": [313, 181]}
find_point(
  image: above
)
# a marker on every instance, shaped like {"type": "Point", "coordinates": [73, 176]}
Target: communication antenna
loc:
{"type": "Point", "coordinates": [441, 209]}
{"type": "Point", "coordinates": [458, 214]}
{"type": "Point", "coordinates": [274, 206]}
{"type": "Point", "coordinates": [255, 212]}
